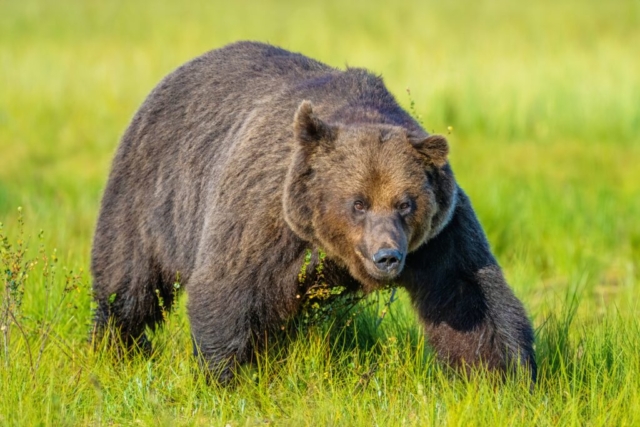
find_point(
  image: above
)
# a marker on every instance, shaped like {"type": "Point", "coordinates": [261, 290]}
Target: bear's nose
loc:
{"type": "Point", "coordinates": [387, 259]}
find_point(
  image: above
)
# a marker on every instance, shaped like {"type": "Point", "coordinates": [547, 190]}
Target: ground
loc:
{"type": "Point", "coordinates": [539, 103]}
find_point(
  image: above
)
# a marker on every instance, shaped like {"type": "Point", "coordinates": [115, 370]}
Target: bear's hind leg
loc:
{"type": "Point", "coordinates": [128, 304]}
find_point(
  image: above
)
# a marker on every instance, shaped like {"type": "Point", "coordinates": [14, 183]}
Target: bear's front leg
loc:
{"type": "Point", "coordinates": [470, 314]}
{"type": "Point", "coordinates": [221, 328]}
{"type": "Point", "coordinates": [478, 320]}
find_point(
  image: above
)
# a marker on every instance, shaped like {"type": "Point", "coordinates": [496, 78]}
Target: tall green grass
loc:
{"type": "Point", "coordinates": [543, 102]}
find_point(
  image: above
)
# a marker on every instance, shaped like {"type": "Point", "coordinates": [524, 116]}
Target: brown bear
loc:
{"type": "Point", "coordinates": [242, 160]}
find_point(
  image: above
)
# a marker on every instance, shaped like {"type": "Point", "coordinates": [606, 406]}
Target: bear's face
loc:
{"type": "Point", "coordinates": [367, 194]}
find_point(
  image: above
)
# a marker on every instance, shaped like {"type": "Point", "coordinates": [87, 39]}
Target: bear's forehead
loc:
{"type": "Point", "coordinates": [377, 153]}
{"type": "Point", "coordinates": [378, 168]}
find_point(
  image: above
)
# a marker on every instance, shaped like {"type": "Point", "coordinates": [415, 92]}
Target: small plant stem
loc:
{"type": "Point", "coordinates": [5, 325]}
{"type": "Point", "coordinates": [47, 333]}
{"type": "Point", "coordinates": [26, 341]}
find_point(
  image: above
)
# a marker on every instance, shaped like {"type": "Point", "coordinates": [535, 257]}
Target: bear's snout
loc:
{"type": "Point", "coordinates": [388, 261]}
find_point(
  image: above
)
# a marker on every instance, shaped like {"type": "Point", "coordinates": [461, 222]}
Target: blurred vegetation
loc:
{"type": "Point", "coordinates": [541, 101]}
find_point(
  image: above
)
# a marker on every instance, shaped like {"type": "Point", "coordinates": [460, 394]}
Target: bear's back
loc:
{"type": "Point", "coordinates": [248, 69]}
{"type": "Point", "coordinates": [260, 61]}
{"type": "Point", "coordinates": [210, 95]}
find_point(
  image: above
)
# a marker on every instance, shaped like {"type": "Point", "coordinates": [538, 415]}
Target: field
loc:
{"type": "Point", "coordinates": [541, 104]}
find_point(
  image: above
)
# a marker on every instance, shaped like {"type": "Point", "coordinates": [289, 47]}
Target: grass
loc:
{"type": "Point", "coordinates": [543, 104]}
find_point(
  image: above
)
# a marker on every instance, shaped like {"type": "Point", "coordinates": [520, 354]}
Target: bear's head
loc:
{"type": "Point", "coordinates": [367, 194]}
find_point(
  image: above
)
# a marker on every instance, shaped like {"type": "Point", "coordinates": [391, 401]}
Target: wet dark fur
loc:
{"type": "Point", "coordinates": [212, 181]}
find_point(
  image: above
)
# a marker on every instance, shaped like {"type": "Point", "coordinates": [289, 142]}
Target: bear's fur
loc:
{"type": "Point", "coordinates": [243, 159]}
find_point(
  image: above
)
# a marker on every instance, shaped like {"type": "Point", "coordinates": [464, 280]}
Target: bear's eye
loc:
{"type": "Point", "coordinates": [404, 206]}
{"type": "Point", "coordinates": [358, 205]}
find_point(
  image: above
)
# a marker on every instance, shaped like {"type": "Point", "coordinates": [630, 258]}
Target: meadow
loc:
{"type": "Point", "coordinates": [541, 105]}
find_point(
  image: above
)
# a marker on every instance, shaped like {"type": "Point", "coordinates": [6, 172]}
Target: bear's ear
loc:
{"type": "Point", "coordinates": [308, 129]}
{"type": "Point", "coordinates": [434, 148]}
